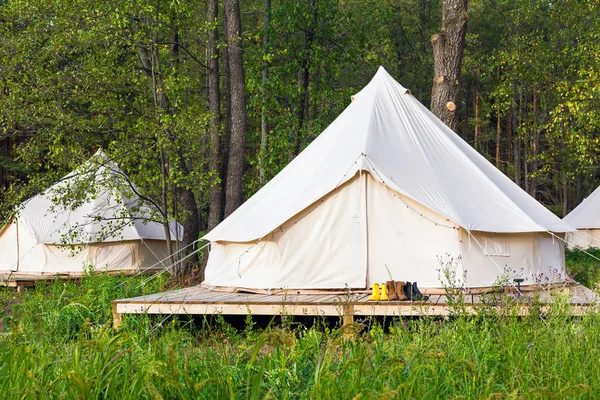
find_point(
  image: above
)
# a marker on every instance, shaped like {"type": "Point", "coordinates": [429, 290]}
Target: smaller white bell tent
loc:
{"type": "Point", "coordinates": [107, 228]}
{"type": "Point", "coordinates": [586, 219]}
{"type": "Point", "coordinates": [387, 191]}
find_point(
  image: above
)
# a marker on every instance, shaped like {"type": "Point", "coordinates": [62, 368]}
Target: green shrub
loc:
{"type": "Point", "coordinates": [583, 267]}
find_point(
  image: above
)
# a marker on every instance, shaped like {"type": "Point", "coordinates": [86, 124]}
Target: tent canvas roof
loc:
{"type": "Point", "coordinates": [110, 213]}
{"type": "Point", "coordinates": [587, 214]}
{"type": "Point", "coordinates": [389, 133]}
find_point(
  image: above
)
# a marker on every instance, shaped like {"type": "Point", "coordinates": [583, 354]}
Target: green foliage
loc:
{"type": "Point", "coordinates": [56, 341]}
{"type": "Point", "coordinates": [73, 80]}
{"type": "Point", "coordinates": [532, 65]}
{"type": "Point", "coordinates": [583, 267]}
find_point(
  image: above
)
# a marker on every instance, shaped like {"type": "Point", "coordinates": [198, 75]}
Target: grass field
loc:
{"type": "Point", "coordinates": [56, 341]}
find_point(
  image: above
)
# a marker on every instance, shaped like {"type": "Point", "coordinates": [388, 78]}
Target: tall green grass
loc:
{"type": "Point", "coordinates": [56, 341]}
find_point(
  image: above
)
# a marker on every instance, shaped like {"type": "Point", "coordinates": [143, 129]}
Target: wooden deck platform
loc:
{"type": "Point", "coordinates": [199, 300]}
{"type": "Point", "coordinates": [20, 281]}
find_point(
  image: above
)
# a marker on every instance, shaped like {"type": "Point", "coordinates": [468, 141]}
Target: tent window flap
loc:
{"type": "Point", "coordinates": [495, 244]}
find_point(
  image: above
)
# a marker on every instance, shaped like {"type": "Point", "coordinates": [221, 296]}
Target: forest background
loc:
{"type": "Point", "coordinates": [200, 103]}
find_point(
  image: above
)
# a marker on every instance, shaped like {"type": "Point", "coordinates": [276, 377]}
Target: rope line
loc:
{"type": "Point", "coordinates": [404, 202]}
{"type": "Point", "coordinates": [161, 261]}
{"type": "Point", "coordinates": [590, 236]}
{"type": "Point", "coordinates": [169, 267]}
{"type": "Point", "coordinates": [151, 251]}
{"type": "Point", "coordinates": [492, 260]}
{"type": "Point", "coordinates": [571, 244]}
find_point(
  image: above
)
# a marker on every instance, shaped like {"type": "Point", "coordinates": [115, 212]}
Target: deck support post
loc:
{"type": "Point", "coordinates": [348, 314]}
{"type": "Point", "coordinates": [117, 317]}
{"type": "Point", "coordinates": [348, 321]}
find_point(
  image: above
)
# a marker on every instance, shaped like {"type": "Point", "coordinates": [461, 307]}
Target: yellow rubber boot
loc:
{"type": "Point", "coordinates": [384, 294]}
{"type": "Point", "coordinates": [376, 294]}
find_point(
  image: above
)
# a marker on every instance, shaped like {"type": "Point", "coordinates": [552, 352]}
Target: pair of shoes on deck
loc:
{"type": "Point", "coordinates": [380, 292]}
{"type": "Point", "coordinates": [392, 290]}
{"type": "Point", "coordinates": [412, 292]}
{"type": "Point", "coordinates": [396, 290]}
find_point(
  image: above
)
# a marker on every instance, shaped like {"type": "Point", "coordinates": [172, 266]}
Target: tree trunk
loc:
{"type": "Point", "coordinates": [498, 133]}
{"type": "Point", "coordinates": [214, 126]}
{"type": "Point", "coordinates": [563, 176]}
{"type": "Point", "coordinates": [191, 230]}
{"type": "Point", "coordinates": [476, 133]}
{"type": "Point", "coordinates": [174, 45]}
{"type": "Point", "coordinates": [264, 124]}
{"type": "Point", "coordinates": [423, 14]}
{"type": "Point", "coordinates": [302, 104]}
{"type": "Point", "coordinates": [517, 142]}
{"type": "Point", "coordinates": [509, 141]}
{"type": "Point", "coordinates": [536, 147]}
{"type": "Point", "coordinates": [448, 46]}
{"type": "Point", "coordinates": [563, 172]}
{"type": "Point", "coordinates": [150, 60]}
{"type": "Point", "coordinates": [235, 74]}
{"type": "Point", "coordinates": [579, 187]}
{"type": "Point", "coordinates": [150, 63]}
{"type": "Point", "coordinates": [164, 204]}
{"type": "Point", "coordinates": [523, 124]}
{"type": "Point", "coordinates": [498, 123]}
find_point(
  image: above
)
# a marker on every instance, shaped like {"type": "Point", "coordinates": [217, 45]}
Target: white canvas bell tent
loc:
{"type": "Point", "coordinates": [387, 191]}
{"type": "Point", "coordinates": [110, 229]}
{"type": "Point", "coordinates": [586, 219]}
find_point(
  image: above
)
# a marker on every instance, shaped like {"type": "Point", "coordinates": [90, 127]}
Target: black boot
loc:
{"type": "Point", "coordinates": [408, 290]}
{"type": "Point", "coordinates": [416, 293]}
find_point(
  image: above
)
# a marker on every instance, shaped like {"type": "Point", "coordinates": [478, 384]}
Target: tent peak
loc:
{"type": "Point", "coordinates": [383, 74]}
{"type": "Point", "coordinates": [100, 153]}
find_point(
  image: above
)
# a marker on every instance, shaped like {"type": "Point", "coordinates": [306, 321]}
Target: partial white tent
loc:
{"type": "Point", "coordinates": [107, 228]}
{"type": "Point", "coordinates": [586, 219]}
{"type": "Point", "coordinates": [387, 191]}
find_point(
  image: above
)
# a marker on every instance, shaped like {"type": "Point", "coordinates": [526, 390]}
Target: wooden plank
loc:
{"type": "Point", "coordinates": [304, 298]}
{"type": "Point", "coordinates": [360, 309]}
{"type": "Point", "coordinates": [584, 295]}
{"type": "Point", "coordinates": [361, 298]}
{"type": "Point", "coordinates": [162, 295]}
{"type": "Point", "coordinates": [237, 297]}
{"type": "Point", "coordinates": [180, 296]}
{"type": "Point", "coordinates": [230, 309]}
{"type": "Point", "coordinates": [201, 301]}
{"type": "Point", "coordinates": [222, 298]}
{"type": "Point", "coordinates": [343, 299]}
{"type": "Point", "coordinates": [332, 298]}
{"type": "Point", "coordinates": [188, 297]}
{"type": "Point", "coordinates": [252, 297]}
{"type": "Point", "coordinates": [217, 297]}
{"type": "Point", "coordinates": [433, 299]}
{"type": "Point", "coordinates": [177, 296]}
{"type": "Point", "coordinates": [240, 298]}
{"type": "Point", "coordinates": [275, 298]}
{"type": "Point", "coordinates": [401, 310]}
